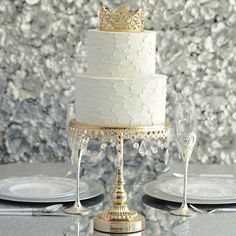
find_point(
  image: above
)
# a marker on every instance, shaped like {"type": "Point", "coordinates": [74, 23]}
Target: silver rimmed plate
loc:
{"type": "Point", "coordinates": [46, 189]}
{"type": "Point", "coordinates": [201, 190]}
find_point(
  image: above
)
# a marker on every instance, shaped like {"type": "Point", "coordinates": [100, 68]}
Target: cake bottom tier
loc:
{"type": "Point", "coordinates": [120, 101]}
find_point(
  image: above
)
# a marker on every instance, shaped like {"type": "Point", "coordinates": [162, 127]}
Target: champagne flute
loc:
{"type": "Point", "coordinates": [78, 147]}
{"type": "Point", "coordinates": [185, 125]}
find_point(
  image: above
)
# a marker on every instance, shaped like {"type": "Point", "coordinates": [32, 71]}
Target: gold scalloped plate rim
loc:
{"type": "Point", "coordinates": [76, 124]}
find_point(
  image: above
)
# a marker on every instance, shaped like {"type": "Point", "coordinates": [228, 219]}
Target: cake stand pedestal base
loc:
{"type": "Point", "coordinates": [119, 220]}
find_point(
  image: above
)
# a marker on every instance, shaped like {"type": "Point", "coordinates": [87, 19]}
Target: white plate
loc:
{"type": "Point", "coordinates": [39, 187]}
{"type": "Point", "coordinates": [209, 188]}
{"type": "Point", "coordinates": [204, 190]}
{"type": "Point", "coordinates": [45, 189]}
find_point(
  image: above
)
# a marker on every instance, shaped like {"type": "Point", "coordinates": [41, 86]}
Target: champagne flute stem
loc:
{"type": "Point", "coordinates": [78, 177]}
{"type": "Point", "coordinates": [184, 203]}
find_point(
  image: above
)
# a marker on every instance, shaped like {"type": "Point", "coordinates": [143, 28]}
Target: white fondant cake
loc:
{"type": "Point", "coordinates": [121, 54]}
{"type": "Point", "coordinates": [120, 87]}
{"type": "Point", "coordinates": [121, 101]}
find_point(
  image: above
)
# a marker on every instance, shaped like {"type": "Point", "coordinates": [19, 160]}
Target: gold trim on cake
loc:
{"type": "Point", "coordinates": [121, 20]}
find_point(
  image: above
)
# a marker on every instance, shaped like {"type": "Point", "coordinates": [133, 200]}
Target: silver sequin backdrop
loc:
{"type": "Point", "coordinates": [43, 42]}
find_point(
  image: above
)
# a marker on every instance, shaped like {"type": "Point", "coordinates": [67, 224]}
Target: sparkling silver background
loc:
{"type": "Point", "coordinates": [42, 43]}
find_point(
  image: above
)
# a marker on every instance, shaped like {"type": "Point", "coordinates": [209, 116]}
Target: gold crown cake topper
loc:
{"type": "Point", "coordinates": [121, 20]}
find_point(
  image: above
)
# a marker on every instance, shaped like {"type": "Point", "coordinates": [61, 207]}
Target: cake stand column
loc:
{"type": "Point", "coordinates": [119, 219]}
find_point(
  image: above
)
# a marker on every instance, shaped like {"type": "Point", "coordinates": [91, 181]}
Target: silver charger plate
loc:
{"type": "Point", "coordinates": [201, 190]}
{"type": "Point", "coordinates": [43, 189]}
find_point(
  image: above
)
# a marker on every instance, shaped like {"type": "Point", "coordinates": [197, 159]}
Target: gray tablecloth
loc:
{"type": "Point", "coordinates": [158, 219]}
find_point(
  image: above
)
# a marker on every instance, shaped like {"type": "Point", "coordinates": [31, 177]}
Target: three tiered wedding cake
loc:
{"type": "Point", "coordinates": [120, 87]}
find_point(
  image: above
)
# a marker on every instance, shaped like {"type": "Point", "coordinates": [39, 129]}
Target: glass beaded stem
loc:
{"type": "Point", "coordinates": [119, 219]}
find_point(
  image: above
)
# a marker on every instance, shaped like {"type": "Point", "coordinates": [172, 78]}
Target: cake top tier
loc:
{"type": "Point", "coordinates": [121, 20]}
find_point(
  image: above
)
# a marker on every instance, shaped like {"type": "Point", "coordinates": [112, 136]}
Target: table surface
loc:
{"type": "Point", "coordinates": [158, 219]}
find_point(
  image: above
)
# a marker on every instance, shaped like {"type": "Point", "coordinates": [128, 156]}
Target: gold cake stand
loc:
{"type": "Point", "coordinates": [119, 219]}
